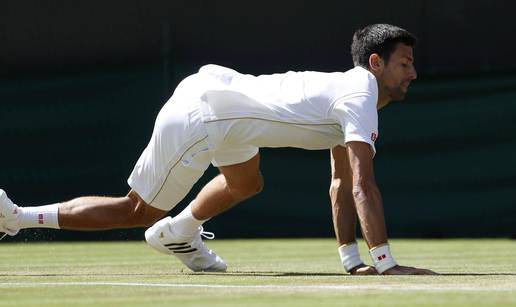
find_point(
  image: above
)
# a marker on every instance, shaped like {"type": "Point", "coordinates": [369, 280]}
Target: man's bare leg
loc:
{"type": "Point", "coordinates": [99, 213]}
{"type": "Point", "coordinates": [84, 213]}
{"type": "Point", "coordinates": [234, 184]}
{"type": "Point", "coordinates": [181, 236]}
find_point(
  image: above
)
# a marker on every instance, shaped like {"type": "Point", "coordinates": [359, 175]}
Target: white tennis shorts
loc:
{"type": "Point", "coordinates": [180, 150]}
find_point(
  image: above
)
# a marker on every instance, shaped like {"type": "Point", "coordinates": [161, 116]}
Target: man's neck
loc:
{"type": "Point", "coordinates": [383, 98]}
{"type": "Point", "coordinates": [382, 102]}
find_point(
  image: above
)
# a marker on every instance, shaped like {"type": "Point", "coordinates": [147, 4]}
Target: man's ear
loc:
{"type": "Point", "coordinates": [376, 63]}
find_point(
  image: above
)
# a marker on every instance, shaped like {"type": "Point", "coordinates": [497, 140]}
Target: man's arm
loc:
{"type": "Point", "coordinates": [366, 194]}
{"type": "Point", "coordinates": [344, 213]}
{"type": "Point", "coordinates": [368, 204]}
{"type": "Point", "coordinates": [343, 204]}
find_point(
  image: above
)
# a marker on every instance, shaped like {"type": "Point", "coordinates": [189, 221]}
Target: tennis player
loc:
{"type": "Point", "coordinates": [222, 117]}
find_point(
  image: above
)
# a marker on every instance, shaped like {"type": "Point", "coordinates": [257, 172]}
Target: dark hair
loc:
{"type": "Point", "coordinates": [378, 38]}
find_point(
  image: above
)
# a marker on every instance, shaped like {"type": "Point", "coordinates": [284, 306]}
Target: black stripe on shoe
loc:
{"type": "Point", "coordinates": [185, 251]}
{"type": "Point", "coordinates": [175, 244]}
{"type": "Point", "coordinates": [179, 248]}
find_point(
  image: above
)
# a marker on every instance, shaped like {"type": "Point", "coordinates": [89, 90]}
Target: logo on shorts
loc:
{"type": "Point", "coordinates": [374, 136]}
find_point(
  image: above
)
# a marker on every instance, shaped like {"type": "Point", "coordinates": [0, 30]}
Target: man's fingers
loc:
{"type": "Point", "coordinates": [423, 272]}
{"type": "Point", "coordinates": [365, 270]}
{"type": "Point", "coordinates": [406, 270]}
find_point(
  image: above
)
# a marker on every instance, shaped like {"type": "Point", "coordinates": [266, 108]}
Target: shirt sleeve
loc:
{"type": "Point", "coordinates": [358, 118]}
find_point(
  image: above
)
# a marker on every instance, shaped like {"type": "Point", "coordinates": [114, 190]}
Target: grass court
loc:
{"type": "Point", "coordinates": [265, 272]}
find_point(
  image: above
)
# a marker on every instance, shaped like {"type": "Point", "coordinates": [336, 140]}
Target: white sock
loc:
{"type": "Point", "coordinates": [39, 217]}
{"type": "Point", "coordinates": [186, 224]}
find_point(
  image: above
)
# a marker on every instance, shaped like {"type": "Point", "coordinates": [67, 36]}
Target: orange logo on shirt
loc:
{"type": "Point", "coordinates": [374, 136]}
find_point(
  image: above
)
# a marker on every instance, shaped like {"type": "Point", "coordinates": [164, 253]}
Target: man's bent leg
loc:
{"type": "Point", "coordinates": [181, 235]}
{"type": "Point", "coordinates": [234, 184]}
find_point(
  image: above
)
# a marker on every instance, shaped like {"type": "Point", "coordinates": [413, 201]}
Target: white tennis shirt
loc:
{"type": "Point", "coordinates": [311, 110]}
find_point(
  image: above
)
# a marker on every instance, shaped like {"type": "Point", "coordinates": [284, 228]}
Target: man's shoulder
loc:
{"type": "Point", "coordinates": [354, 81]}
{"type": "Point", "coordinates": [357, 77]}
{"type": "Point", "coordinates": [360, 76]}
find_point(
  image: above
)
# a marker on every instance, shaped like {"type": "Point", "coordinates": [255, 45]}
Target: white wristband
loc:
{"type": "Point", "coordinates": [382, 258]}
{"type": "Point", "coordinates": [349, 256]}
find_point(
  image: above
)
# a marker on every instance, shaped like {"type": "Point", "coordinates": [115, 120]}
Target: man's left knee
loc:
{"type": "Point", "coordinates": [144, 215]}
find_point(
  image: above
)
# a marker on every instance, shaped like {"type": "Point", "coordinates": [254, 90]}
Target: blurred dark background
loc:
{"type": "Point", "coordinates": [82, 81]}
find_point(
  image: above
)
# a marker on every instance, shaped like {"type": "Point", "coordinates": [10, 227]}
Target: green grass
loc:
{"type": "Point", "coordinates": [261, 273]}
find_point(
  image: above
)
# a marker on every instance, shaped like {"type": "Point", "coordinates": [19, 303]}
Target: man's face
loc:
{"type": "Point", "coordinates": [399, 72]}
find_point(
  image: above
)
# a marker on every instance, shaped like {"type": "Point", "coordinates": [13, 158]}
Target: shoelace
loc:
{"type": "Point", "coordinates": [207, 235]}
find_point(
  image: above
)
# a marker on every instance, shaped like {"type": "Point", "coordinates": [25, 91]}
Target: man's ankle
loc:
{"type": "Point", "coordinates": [39, 217]}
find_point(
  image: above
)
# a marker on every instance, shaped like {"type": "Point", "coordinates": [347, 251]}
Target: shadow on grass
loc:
{"type": "Point", "coordinates": [256, 274]}
{"type": "Point", "coordinates": [291, 274]}
{"type": "Point", "coordinates": [276, 274]}
{"type": "Point", "coordinates": [478, 274]}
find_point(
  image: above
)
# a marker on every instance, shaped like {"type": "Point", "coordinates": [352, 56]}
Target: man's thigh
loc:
{"type": "Point", "coordinates": [175, 158]}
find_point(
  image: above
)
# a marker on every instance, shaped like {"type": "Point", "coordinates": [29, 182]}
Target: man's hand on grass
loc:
{"type": "Point", "coordinates": [406, 270]}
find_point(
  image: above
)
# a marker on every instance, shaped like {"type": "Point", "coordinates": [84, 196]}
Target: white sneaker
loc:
{"type": "Point", "coordinates": [9, 212]}
{"type": "Point", "coordinates": [190, 250]}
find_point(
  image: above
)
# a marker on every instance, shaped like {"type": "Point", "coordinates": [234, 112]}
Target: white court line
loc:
{"type": "Point", "coordinates": [394, 287]}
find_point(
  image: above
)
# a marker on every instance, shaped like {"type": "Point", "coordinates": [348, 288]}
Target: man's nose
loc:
{"type": "Point", "coordinates": [413, 73]}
